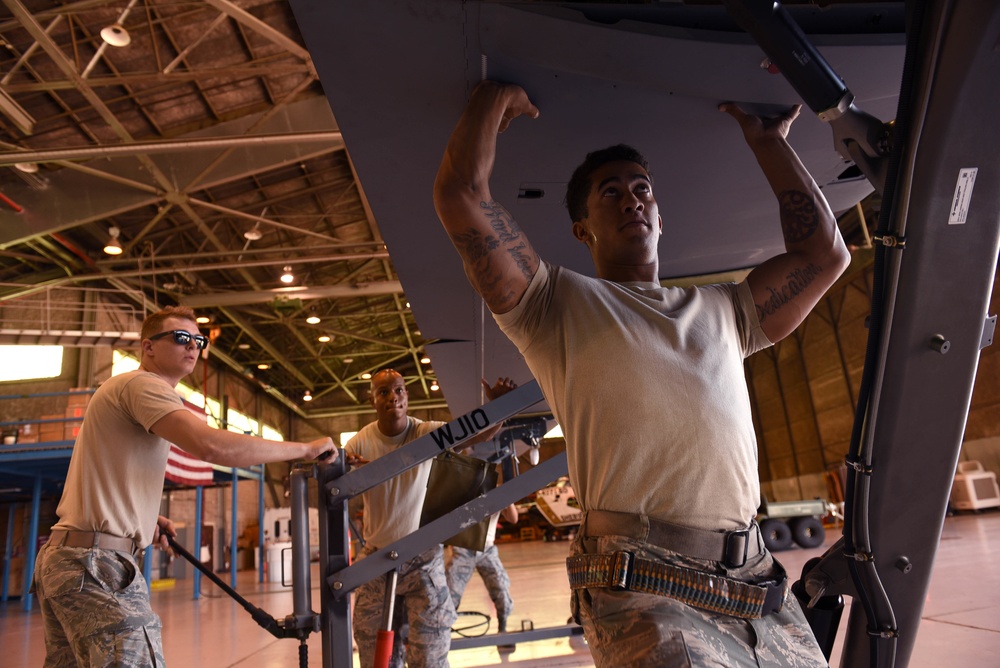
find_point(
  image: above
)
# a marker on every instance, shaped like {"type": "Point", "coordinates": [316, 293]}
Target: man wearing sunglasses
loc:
{"type": "Point", "coordinates": [94, 600]}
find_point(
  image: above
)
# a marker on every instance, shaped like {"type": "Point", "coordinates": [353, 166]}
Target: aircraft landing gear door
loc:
{"type": "Point", "coordinates": [938, 240]}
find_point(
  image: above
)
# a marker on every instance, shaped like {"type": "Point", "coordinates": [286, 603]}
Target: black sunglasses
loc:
{"type": "Point", "coordinates": [183, 338]}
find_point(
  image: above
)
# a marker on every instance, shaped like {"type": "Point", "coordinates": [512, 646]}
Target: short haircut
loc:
{"type": "Point", "coordinates": [154, 322]}
{"type": "Point", "coordinates": [579, 184]}
{"type": "Point", "coordinates": [386, 371]}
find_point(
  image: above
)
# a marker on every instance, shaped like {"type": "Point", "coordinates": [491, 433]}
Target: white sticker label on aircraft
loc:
{"type": "Point", "coordinates": [963, 193]}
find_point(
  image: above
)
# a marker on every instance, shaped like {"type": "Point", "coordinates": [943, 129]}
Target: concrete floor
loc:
{"type": "Point", "coordinates": [960, 627]}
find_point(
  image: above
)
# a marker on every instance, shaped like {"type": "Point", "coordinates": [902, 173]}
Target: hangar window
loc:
{"type": "Point", "coordinates": [30, 362]}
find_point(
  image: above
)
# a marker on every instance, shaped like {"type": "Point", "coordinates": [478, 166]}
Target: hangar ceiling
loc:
{"type": "Point", "coordinates": [208, 141]}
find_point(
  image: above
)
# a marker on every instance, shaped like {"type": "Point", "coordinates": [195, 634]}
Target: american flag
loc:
{"type": "Point", "coordinates": [184, 469]}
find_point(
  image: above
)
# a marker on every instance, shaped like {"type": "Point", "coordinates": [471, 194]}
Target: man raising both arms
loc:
{"type": "Point", "coordinates": [647, 383]}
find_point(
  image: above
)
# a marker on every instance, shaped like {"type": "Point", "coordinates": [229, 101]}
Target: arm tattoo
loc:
{"type": "Point", "coordinates": [508, 234]}
{"type": "Point", "coordinates": [799, 217]}
{"type": "Point", "coordinates": [479, 250]}
{"type": "Point", "coordinates": [798, 281]}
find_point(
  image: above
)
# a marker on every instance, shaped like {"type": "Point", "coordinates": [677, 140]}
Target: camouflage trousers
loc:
{"type": "Point", "coordinates": [459, 571]}
{"type": "Point", "coordinates": [637, 630]}
{"type": "Point", "coordinates": [95, 609]}
{"type": "Point", "coordinates": [422, 601]}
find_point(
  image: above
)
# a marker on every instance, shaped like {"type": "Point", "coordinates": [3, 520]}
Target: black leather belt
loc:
{"type": "Point", "coordinates": [731, 548]}
{"type": "Point", "coordinates": [90, 539]}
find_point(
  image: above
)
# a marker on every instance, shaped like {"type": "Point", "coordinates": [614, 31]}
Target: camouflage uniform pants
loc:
{"type": "Point", "coordinates": [422, 600]}
{"type": "Point", "coordinates": [637, 630]}
{"type": "Point", "coordinates": [95, 609]}
{"type": "Point", "coordinates": [463, 562]}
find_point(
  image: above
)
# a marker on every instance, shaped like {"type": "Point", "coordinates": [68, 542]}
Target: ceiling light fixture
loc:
{"type": "Point", "coordinates": [324, 339]}
{"type": "Point", "coordinates": [243, 346]}
{"type": "Point", "coordinates": [424, 359]}
{"type": "Point", "coordinates": [253, 234]}
{"type": "Point", "coordinates": [348, 360]}
{"type": "Point", "coordinates": [366, 376]}
{"type": "Point", "coordinates": [263, 366]}
{"type": "Point", "coordinates": [26, 167]}
{"type": "Point", "coordinates": [313, 320]}
{"type": "Point", "coordinates": [113, 247]}
{"type": "Point", "coordinates": [434, 386]}
{"type": "Point", "coordinates": [307, 396]}
{"type": "Point", "coordinates": [286, 275]}
{"type": "Point", "coordinates": [116, 35]}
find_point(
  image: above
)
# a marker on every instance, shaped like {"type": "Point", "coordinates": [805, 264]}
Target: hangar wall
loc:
{"type": "Point", "coordinates": [804, 392]}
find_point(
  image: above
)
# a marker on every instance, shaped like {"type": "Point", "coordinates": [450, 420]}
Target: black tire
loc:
{"type": "Point", "coordinates": [807, 531]}
{"type": "Point", "coordinates": [777, 535]}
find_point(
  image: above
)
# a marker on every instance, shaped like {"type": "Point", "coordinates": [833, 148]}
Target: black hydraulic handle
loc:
{"type": "Point", "coordinates": [264, 620]}
{"type": "Point", "coordinates": [787, 46]}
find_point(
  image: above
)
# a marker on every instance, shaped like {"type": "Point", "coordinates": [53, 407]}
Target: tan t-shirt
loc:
{"type": "Point", "coordinates": [392, 509]}
{"type": "Point", "coordinates": [115, 477]}
{"type": "Point", "coordinates": [648, 385]}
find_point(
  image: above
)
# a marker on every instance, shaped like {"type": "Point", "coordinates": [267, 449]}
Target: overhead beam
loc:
{"type": "Point", "coordinates": [170, 146]}
{"type": "Point", "coordinates": [258, 26]}
{"type": "Point", "coordinates": [266, 345]}
{"type": "Point", "coordinates": [158, 78]}
{"type": "Point", "coordinates": [320, 292]}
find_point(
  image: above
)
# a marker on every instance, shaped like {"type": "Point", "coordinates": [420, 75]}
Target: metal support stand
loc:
{"type": "Point", "coordinates": [302, 621]}
{"type": "Point", "coordinates": [334, 555]}
{"type": "Point", "coordinates": [336, 486]}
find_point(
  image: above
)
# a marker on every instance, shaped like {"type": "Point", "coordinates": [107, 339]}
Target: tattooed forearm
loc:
{"type": "Point", "coordinates": [798, 281]}
{"type": "Point", "coordinates": [799, 216]}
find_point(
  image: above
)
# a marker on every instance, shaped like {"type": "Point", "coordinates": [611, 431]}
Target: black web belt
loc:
{"type": "Point", "coordinates": [731, 548]}
{"type": "Point", "coordinates": [623, 571]}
